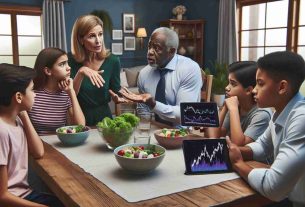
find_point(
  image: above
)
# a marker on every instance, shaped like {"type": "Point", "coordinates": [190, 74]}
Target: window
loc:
{"type": "Point", "coordinates": [266, 26]}
{"type": "Point", "coordinates": [301, 29]}
{"type": "Point", "coordinates": [20, 35]}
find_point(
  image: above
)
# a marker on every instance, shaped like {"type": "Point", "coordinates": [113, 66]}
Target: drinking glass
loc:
{"type": "Point", "coordinates": [142, 139]}
{"type": "Point", "coordinates": [145, 122]}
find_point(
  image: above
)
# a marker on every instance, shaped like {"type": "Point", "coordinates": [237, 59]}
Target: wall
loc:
{"type": "Point", "coordinates": [148, 14]}
{"type": "Point", "coordinates": [207, 10]}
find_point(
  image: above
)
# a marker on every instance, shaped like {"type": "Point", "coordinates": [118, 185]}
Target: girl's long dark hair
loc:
{"type": "Point", "coordinates": [46, 58]}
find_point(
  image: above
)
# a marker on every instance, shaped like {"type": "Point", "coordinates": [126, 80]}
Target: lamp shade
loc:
{"type": "Point", "coordinates": [141, 32]}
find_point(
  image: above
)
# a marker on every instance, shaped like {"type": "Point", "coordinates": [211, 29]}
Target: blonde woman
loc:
{"type": "Point", "coordinates": [94, 68]}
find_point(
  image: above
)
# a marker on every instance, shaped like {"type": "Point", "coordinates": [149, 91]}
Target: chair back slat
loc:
{"type": "Point", "coordinates": [206, 90]}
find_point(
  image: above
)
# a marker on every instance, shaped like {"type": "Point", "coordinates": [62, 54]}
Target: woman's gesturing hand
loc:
{"type": "Point", "coordinates": [117, 99]}
{"type": "Point", "coordinates": [94, 76]}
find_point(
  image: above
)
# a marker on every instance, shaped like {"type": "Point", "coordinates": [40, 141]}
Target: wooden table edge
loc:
{"type": "Point", "coordinates": [72, 200]}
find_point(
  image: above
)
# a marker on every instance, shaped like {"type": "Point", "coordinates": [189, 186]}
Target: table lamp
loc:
{"type": "Point", "coordinates": [141, 33]}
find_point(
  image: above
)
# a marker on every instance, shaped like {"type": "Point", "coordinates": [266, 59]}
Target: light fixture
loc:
{"type": "Point", "coordinates": [141, 33]}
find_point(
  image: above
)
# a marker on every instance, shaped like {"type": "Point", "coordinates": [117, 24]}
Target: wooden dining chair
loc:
{"type": "Point", "coordinates": [117, 109]}
{"type": "Point", "coordinates": [206, 90]}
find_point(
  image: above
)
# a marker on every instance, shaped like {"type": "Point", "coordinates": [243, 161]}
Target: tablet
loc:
{"type": "Point", "coordinates": [199, 114]}
{"type": "Point", "coordinates": [203, 156]}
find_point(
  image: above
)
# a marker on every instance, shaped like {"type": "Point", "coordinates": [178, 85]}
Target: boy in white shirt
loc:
{"type": "Point", "coordinates": [278, 79]}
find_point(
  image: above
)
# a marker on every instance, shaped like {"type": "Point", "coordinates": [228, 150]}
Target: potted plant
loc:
{"type": "Point", "coordinates": [220, 81]}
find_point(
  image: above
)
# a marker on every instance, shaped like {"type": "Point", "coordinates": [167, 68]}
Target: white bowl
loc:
{"type": "Point", "coordinates": [169, 142]}
{"type": "Point", "coordinates": [137, 165]}
{"type": "Point", "coordinates": [72, 139]}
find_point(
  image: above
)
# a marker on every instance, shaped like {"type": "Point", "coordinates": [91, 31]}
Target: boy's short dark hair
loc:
{"type": "Point", "coordinates": [245, 72]}
{"type": "Point", "coordinates": [284, 65]}
{"type": "Point", "coordinates": [13, 79]}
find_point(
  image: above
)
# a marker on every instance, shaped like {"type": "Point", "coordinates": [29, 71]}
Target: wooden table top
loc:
{"type": "Point", "coordinates": [74, 187]}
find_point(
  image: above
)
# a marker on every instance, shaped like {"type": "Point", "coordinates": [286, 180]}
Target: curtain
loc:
{"type": "Point", "coordinates": [54, 24]}
{"type": "Point", "coordinates": [227, 43]}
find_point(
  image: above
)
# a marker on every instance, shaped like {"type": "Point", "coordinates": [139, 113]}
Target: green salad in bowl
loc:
{"type": "Point", "coordinates": [117, 131]}
{"type": "Point", "coordinates": [139, 158]}
{"type": "Point", "coordinates": [73, 135]}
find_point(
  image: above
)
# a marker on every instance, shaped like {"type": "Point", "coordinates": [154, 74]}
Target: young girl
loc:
{"type": "Point", "coordinates": [240, 117]}
{"type": "Point", "coordinates": [56, 103]}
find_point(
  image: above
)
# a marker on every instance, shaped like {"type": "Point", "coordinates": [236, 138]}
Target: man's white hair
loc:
{"type": "Point", "coordinates": [172, 40]}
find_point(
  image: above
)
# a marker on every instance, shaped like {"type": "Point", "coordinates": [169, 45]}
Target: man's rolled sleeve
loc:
{"type": "Point", "coordinates": [167, 112]}
{"type": "Point", "coordinates": [258, 151]}
{"type": "Point", "coordinates": [255, 179]}
{"type": "Point", "coordinates": [262, 148]}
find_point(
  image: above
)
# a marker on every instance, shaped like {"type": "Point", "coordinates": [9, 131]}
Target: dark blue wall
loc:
{"type": "Point", "coordinates": [148, 14]}
{"type": "Point", "coordinates": [207, 10]}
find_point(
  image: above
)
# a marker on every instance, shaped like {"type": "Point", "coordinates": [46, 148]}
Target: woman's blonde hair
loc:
{"type": "Point", "coordinates": [81, 27]}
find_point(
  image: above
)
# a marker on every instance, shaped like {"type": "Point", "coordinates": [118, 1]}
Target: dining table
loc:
{"type": "Point", "coordinates": [76, 187]}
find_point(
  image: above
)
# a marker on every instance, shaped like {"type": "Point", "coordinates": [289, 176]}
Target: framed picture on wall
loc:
{"type": "Point", "coordinates": [129, 23]}
{"type": "Point", "coordinates": [117, 48]}
{"type": "Point", "coordinates": [117, 34]}
{"type": "Point", "coordinates": [129, 43]}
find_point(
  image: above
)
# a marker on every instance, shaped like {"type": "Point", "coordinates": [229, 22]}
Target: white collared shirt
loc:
{"type": "Point", "coordinates": [183, 84]}
{"type": "Point", "coordinates": [285, 137]}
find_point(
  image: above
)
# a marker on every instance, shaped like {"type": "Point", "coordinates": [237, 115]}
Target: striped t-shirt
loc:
{"type": "Point", "coordinates": [49, 111]}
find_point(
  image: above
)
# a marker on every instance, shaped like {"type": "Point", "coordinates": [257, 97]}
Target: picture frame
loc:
{"type": "Point", "coordinates": [129, 43]}
{"type": "Point", "coordinates": [117, 48]}
{"type": "Point", "coordinates": [128, 23]}
{"type": "Point", "coordinates": [117, 34]}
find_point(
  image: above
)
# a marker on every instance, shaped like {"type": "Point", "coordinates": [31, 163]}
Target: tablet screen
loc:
{"type": "Point", "coordinates": [206, 156]}
{"type": "Point", "coordinates": [199, 114]}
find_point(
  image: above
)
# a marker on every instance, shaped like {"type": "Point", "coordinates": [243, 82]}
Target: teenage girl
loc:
{"type": "Point", "coordinates": [55, 103]}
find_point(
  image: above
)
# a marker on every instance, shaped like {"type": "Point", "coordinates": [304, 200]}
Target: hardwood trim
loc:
{"type": "Point", "coordinates": [292, 25]}
{"type": "Point", "coordinates": [15, 39]}
{"type": "Point", "coordinates": [296, 25]}
{"type": "Point", "coordinates": [13, 9]}
{"type": "Point", "coordinates": [252, 2]}
{"type": "Point", "coordinates": [239, 22]}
